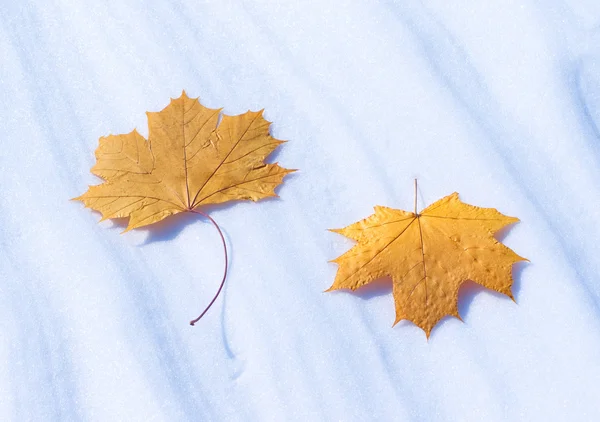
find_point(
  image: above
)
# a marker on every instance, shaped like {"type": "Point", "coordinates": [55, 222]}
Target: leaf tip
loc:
{"type": "Point", "coordinates": [127, 229]}
{"type": "Point", "coordinates": [427, 329]}
{"type": "Point", "coordinates": [335, 261]}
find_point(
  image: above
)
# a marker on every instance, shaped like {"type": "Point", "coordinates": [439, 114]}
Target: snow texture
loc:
{"type": "Point", "coordinates": [498, 100]}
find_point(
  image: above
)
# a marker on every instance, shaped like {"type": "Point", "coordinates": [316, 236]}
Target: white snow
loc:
{"type": "Point", "coordinates": [498, 100]}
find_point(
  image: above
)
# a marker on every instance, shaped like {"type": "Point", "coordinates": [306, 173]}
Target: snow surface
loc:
{"type": "Point", "coordinates": [498, 100]}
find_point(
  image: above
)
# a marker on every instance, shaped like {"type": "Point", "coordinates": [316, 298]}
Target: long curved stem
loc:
{"type": "Point", "coordinates": [192, 322]}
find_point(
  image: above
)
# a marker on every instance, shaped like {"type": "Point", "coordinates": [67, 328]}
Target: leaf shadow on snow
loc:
{"type": "Point", "coordinates": [376, 288]}
{"type": "Point", "coordinates": [169, 228]}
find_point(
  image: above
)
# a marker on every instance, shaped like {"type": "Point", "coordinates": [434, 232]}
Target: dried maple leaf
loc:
{"type": "Point", "coordinates": [189, 160]}
{"type": "Point", "coordinates": [428, 256]}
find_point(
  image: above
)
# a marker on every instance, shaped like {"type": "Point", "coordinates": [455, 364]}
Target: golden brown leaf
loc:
{"type": "Point", "coordinates": [189, 160]}
{"type": "Point", "coordinates": [428, 256]}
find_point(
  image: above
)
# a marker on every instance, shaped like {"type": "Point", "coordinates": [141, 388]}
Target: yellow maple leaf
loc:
{"type": "Point", "coordinates": [428, 256]}
{"type": "Point", "coordinates": [189, 160]}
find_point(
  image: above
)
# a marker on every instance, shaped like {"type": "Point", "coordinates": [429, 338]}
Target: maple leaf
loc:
{"type": "Point", "coordinates": [191, 159]}
{"type": "Point", "coordinates": [428, 256]}
{"type": "Point", "coordinates": [188, 161]}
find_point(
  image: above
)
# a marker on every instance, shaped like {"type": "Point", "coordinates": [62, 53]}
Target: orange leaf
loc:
{"type": "Point", "coordinates": [428, 256]}
{"type": "Point", "coordinates": [188, 161]}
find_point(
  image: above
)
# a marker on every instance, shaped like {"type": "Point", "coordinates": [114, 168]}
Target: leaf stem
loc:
{"type": "Point", "coordinates": [225, 270]}
{"type": "Point", "coordinates": [416, 196]}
